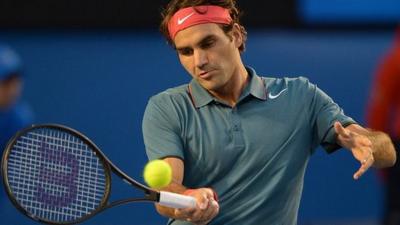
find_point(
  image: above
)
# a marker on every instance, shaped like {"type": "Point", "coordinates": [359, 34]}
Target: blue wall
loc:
{"type": "Point", "coordinates": [349, 11]}
{"type": "Point", "coordinates": [99, 82]}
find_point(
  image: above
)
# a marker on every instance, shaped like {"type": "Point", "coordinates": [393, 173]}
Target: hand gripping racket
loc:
{"type": "Point", "coordinates": [56, 175]}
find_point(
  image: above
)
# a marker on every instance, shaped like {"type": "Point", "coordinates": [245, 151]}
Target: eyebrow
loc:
{"type": "Point", "coordinates": [202, 41]}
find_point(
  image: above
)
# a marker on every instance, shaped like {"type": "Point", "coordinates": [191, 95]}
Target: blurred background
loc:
{"type": "Point", "coordinates": [93, 65]}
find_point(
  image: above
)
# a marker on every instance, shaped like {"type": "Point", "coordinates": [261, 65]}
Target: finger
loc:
{"type": "Point", "coordinates": [362, 153]}
{"type": "Point", "coordinates": [203, 202]}
{"type": "Point", "coordinates": [366, 155]}
{"type": "Point", "coordinates": [367, 142]}
{"type": "Point", "coordinates": [203, 206]}
{"type": "Point", "coordinates": [340, 130]}
{"type": "Point", "coordinates": [209, 193]}
{"type": "Point", "coordinates": [211, 212]}
{"type": "Point", "coordinates": [360, 172]}
{"type": "Point", "coordinates": [365, 165]}
{"type": "Point", "coordinates": [184, 213]}
{"type": "Point", "coordinates": [204, 197]}
{"type": "Point", "coordinates": [215, 208]}
{"type": "Point", "coordinates": [212, 207]}
{"type": "Point", "coordinates": [199, 214]}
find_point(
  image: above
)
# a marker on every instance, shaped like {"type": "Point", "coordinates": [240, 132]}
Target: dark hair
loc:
{"type": "Point", "coordinates": [175, 5]}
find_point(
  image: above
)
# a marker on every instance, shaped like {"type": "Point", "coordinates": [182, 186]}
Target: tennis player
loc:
{"type": "Point", "coordinates": [14, 114]}
{"type": "Point", "coordinates": [239, 142]}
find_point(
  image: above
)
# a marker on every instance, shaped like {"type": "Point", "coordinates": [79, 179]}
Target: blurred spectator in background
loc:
{"type": "Point", "coordinates": [14, 114]}
{"type": "Point", "coordinates": [384, 114]}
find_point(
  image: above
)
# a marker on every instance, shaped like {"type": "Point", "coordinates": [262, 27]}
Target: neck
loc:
{"type": "Point", "coordinates": [231, 92]}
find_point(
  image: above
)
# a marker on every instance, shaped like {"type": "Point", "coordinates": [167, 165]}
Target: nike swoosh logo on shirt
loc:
{"type": "Point", "coordinates": [277, 95]}
{"type": "Point", "coordinates": [180, 21]}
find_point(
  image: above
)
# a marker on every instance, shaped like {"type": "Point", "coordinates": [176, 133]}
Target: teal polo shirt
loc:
{"type": "Point", "coordinates": [253, 155]}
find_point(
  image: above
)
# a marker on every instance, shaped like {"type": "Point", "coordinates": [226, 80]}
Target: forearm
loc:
{"type": "Point", "coordinates": [382, 148]}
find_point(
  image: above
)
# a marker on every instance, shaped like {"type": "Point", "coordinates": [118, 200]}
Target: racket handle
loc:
{"type": "Point", "coordinates": [177, 201]}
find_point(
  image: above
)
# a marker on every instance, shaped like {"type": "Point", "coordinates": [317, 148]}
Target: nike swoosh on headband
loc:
{"type": "Point", "coordinates": [182, 20]}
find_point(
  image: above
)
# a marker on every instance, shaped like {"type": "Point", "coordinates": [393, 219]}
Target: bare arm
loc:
{"type": "Point", "coordinates": [371, 148]}
{"type": "Point", "coordinates": [207, 208]}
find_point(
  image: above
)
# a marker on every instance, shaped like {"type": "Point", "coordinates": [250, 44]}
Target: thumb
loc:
{"type": "Point", "coordinates": [340, 130]}
{"type": "Point", "coordinates": [203, 202]}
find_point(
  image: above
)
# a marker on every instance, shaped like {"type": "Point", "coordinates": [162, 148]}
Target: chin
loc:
{"type": "Point", "coordinates": [211, 86]}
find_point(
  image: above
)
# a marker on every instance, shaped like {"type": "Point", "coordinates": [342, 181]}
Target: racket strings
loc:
{"type": "Point", "coordinates": [55, 175]}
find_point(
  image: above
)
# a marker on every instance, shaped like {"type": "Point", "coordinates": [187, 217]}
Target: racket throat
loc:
{"type": "Point", "coordinates": [152, 195]}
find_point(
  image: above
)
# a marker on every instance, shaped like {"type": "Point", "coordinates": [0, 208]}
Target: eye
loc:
{"type": "Point", "coordinates": [207, 44]}
{"type": "Point", "coordinates": [185, 51]}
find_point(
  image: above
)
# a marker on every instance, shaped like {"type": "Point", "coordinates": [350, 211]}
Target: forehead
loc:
{"type": "Point", "coordinates": [194, 34]}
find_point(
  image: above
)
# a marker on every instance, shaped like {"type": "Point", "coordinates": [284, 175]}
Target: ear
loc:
{"type": "Point", "coordinates": [237, 35]}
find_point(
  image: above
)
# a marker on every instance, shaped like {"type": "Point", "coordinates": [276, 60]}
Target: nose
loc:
{"type": "Point", "coordinates": [200, 58]}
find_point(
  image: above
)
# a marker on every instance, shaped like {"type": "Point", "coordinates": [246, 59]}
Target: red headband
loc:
{"type": "Point", "coordinates": [191, 16]}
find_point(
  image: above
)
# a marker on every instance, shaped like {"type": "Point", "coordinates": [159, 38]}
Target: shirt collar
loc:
{"type": "Point", "coordinates": [255, 87]}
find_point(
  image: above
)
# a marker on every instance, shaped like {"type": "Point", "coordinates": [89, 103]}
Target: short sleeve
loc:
{"type": "Point", "coordinates": [161, 130]}
{"type": "Point", "coordinates": [325, 112]}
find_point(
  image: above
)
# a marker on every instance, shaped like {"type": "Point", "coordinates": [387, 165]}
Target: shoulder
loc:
{"type": "Point", "coordinates": [286, 80]}
{"type": "Point", "coordinates": [175, 94]}
{"type": "Point", "coordinates": [299, 83]}
{"type": "Point", "coordinates": [174, 102]}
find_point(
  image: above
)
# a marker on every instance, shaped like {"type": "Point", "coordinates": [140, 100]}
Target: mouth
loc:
{"type": "Point", "coordinates": [205, 74]}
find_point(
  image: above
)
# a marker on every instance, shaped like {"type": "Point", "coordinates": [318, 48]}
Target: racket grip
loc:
{"type": "Point", "coordinates": [174, 200]}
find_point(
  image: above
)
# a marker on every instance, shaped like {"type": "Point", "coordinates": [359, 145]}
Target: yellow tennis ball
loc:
{"type": "Point", "coordinates": [157, 173]}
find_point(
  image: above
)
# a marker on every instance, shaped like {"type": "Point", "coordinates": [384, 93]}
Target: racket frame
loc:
{"type": "Point", "coordinates": [150, 195]}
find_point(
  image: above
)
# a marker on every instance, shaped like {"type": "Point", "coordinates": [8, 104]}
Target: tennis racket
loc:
{"type": "Point", "coordinates": [54, 174]}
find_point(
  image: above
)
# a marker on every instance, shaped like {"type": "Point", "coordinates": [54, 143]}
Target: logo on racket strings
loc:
{"type": "Point", "coordinates": [57, 176]}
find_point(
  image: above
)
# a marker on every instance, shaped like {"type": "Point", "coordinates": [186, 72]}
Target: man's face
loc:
{"type": "Point", "coordinates": [9, 91]}
{"type": "Point", "coordinates": [209, 55]}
